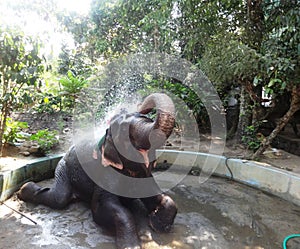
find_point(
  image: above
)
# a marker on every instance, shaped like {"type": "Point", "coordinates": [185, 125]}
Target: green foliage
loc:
{"type": "Point", "coordinates": [71, 87]}
{"type": "Point", "coordinates": [192, 100]}
{"type": "Point", "coordinates": [13, 129]}
{"type": "Point", "coordinates": [46, 140]}
{"type": "Point", "coordinates": [19, 62]}
{"type": "Point", "coordinates": [122, 27]}
{"type": "Point", "coordinates": [72, 84]}
{"type": "Point", "coordinates": [48, 103]}
{"type": "Point", "coordinates": [250, 138]}
{"type": "Point", "coordinates": [227, 61]}
{"type": "Point", "coordinates": [20, 68]}
{"type": "Point", "coordinates": [199, 21]}
{"type": "Point", "coordinates": [177, 27]}
{"type": "Point", "coordinates": [78, 61]}
{"type": "Point", "coordinates": [281, 45]}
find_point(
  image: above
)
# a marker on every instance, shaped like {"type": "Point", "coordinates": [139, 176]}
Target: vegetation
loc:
{"type": "Point", "coordinates": [20, 68]}
{"type": "Point", "coordinates": [71, 87]}
{"type": "Point", "coordinates": [192, 101]}
{"type": "Point", "coordinates": [46, 140]}
{"type": "Point", "coordinates": [250, 45]}
{"type": "Point", "coordinates": [13, 131]}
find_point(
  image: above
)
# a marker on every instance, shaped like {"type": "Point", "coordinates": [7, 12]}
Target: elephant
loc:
{"type": "Point", "coordinates": [128, 148]}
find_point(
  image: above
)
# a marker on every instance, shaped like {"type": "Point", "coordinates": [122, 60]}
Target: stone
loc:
{"type": "Point", "coordinates": [34, 148]}
{"type": "Point", "coordinates": [29, 147]}
{"type": "Point", "coordinates": [25, 153]}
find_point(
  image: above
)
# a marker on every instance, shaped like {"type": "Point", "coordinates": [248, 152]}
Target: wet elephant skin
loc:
{"type": "Point", "coordinates": [110, 210]}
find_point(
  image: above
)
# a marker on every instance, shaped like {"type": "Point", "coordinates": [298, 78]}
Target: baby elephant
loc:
{"type": "Point", "coordinates": [128, 150]}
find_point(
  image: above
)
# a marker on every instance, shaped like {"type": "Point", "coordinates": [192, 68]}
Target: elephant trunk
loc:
{"type": "Point", "coordinates": [156, 133]}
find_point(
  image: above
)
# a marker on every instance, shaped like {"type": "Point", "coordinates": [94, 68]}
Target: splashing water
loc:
{"type": "Point", "coordinates": [123, 84]}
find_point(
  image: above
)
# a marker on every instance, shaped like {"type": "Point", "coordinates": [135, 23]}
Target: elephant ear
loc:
{"type": "Point", "coordinates": [117, 140]}
{"type": "Point", "coordinates": [110, 155]}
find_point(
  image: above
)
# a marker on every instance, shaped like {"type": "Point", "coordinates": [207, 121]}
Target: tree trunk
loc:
{"type": "Point", "coordinates": [2, 130]}
{"type": "Point", "coordinates": [245, 114]}
{"type": "Point", "coordinates": [295, 106]}
{"type": "Point", "coordinates": [4, 112]}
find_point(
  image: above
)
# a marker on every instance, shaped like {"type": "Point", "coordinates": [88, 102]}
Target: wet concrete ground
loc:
{"type": "Point", "coordinates": [217, 214]}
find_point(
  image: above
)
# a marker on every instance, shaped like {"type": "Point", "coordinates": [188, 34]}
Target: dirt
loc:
{"type": "Point", "coordinates": [272, 157]}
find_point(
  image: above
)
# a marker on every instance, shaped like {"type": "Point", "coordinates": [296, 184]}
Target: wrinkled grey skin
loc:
{"type": "Point", "coordinates": [110, 210]}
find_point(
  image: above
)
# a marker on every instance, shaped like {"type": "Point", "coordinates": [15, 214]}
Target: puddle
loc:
{"type": "Point", "coordinates": [217, 214]}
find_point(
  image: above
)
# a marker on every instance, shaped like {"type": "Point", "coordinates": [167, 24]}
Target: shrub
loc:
{"type": "Point", "coordinates": [251, 138]}
{"type": "Point", "coordinates": [13, 130]}
{"type": "Point", "coordinates": [46, 140]}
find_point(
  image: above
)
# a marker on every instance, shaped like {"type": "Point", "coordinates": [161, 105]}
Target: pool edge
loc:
{"type": "Point", "coordinates": [262, 176]}
{"type": "Point", "coordinates": [36, 170]}
{"type": "Point", "coordinates": [265, 177]}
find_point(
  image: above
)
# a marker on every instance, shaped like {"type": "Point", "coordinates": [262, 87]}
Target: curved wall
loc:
{"type": "Point", "coordinates": [280, 183]}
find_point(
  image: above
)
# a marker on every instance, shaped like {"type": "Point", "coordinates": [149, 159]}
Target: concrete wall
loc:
{"type": "Point", "coordinates": [262, 176]}
{"type": "Point", "coordinates": [280, 183]}
{"type": "Point", "coordinates": [37, 170]}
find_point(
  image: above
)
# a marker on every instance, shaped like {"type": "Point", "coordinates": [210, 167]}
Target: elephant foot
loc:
{"type": "Point", "coordinates": [145, 236]}
{"type": "Point", "coordinates": [29, 191]}
{"type": "Point", "coordinates": [127, 242]}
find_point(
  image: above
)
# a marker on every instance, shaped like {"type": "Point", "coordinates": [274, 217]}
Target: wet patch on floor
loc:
{"type": "Point", "coordinates": [217, 214]}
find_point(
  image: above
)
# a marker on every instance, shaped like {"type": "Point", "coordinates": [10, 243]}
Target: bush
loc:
{"type": "Point", "coordinates": [251, 138]}
{"type": "Point", "coordinates": [46, 140]}
{"type": "Point", "coordinates": [192, 100]}
{"type": "Point", "coordinates": [71, 87]}
{"type": "Point", "coordinates": [49, 103]}
{"type": "Point", "coordinates": [13, 131]}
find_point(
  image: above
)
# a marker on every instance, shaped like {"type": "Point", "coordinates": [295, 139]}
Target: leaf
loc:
{"type": "Point", "coordinates": [256, 81]}
{"type": "Point", "coordinates": [274, 81]}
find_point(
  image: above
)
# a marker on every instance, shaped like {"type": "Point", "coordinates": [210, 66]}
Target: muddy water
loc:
{"type": "Point", "coordinates": [217, 214]}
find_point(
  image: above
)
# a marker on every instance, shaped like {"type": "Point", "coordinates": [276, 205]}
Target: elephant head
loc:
{"type": "Point", "coordinates": [132, 138]}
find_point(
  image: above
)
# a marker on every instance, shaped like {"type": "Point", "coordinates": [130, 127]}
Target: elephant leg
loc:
{"type": "Point", "coordinates": [56, 197]}
{"type": "Point", "coordinates": [109, 212]}
{"type": "Point", "coordinates": [162, 211]}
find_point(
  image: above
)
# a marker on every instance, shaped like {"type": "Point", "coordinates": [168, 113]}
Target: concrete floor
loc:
{"type": "Point", "coordinates": [217, 214]}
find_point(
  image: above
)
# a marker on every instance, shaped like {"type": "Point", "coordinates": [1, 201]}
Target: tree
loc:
{"type": "Point", "coordinates": [201, 21]}
{"type": "Point", "coordinates": [265, 54]}
{"type": "Point", "coordinates": [249, 43]}
{"type": "Point", "coordinates": [229, 62]}
{"type": "Point", "coordinates": [71, 87]}
{"type": "Point", "coordinates": [176, 27]}
{"type": "Point", "coordinates": [20, 67]}
{"type": "Point", "coordinates": [122, 27]}
{"type": "Point", "coordinates": [282, 54]}
{"type": "Point", "coordinates": [75, 60]}
{"type": "Point", "coordinates": [82, 56]}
